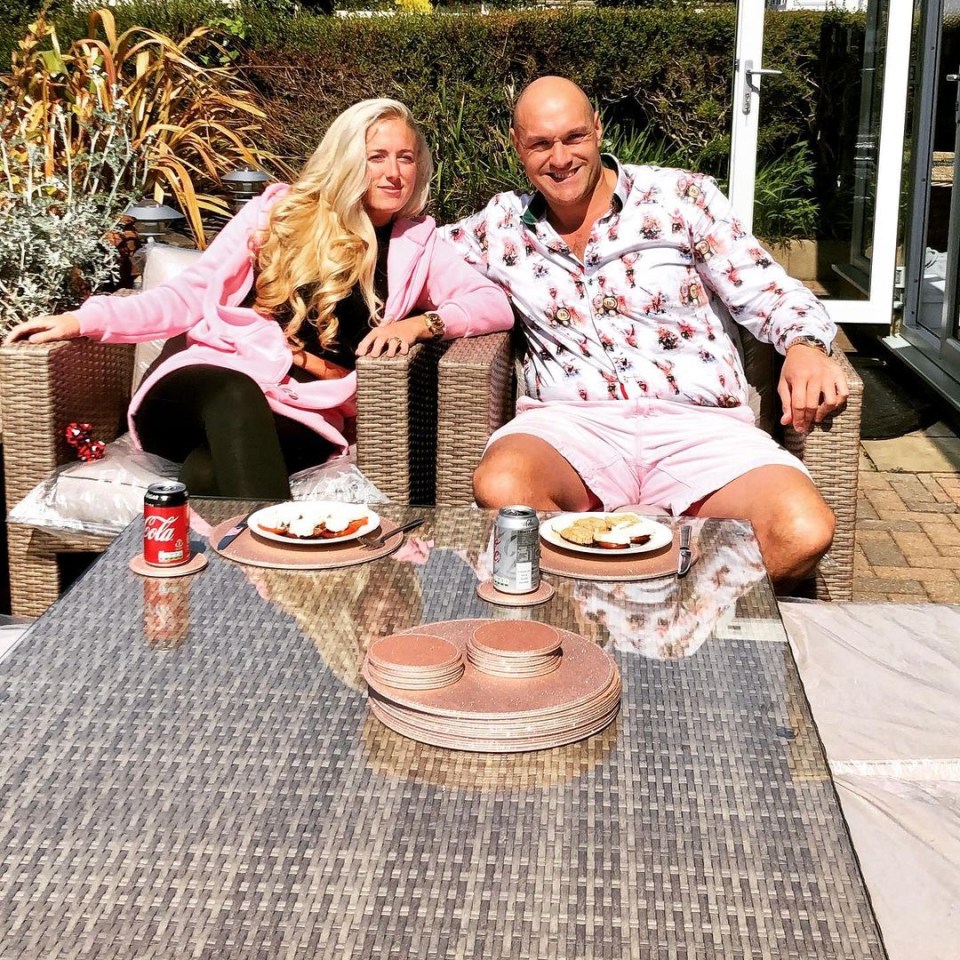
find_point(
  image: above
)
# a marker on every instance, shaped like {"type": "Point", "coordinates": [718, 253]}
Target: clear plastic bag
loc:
{"type": "Point", "coordinates": [104, 496]}
{"type": "Point", "coordinates": [337, 479]}
{"type": "Point", "coordinates": [98, 497]}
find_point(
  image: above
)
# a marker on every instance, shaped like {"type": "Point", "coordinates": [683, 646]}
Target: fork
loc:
{"type": "Point", "coordinates": [379, 539]}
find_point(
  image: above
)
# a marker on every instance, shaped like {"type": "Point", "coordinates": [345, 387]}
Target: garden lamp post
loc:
{"type": "Point", "coordinates": [244, 185]}
{"type": "Point", "coordinates": [152, 219]}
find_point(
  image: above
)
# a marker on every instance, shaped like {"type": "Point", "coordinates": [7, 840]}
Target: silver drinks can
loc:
{"type": "Point", "coordinates": [516, 550]}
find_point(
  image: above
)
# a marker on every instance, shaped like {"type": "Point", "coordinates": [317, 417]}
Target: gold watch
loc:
{"type": "Point", "coordinates": [435, 325]}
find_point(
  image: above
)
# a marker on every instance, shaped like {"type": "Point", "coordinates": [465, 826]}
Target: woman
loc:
{"type": "Point", "coordinates": [302, 281]}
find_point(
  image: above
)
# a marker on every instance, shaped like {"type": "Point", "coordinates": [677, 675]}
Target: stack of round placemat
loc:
{"type": "Point", "coordinates": [415, 662]}
{"type": "Point", "coordinates": [522, 685]}
{"type": "Point", "coordinates": [500, 649]}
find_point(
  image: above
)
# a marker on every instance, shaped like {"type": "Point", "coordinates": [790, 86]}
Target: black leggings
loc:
{"type": "Point", "coordinates": [218, 424]}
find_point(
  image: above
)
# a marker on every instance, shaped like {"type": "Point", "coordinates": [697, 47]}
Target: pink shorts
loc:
{"type": "Point", "coordinates": [655, 452]}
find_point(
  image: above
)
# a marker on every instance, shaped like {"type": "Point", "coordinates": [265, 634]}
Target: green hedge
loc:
{"type": "Point", "coordinates": [661, 77]}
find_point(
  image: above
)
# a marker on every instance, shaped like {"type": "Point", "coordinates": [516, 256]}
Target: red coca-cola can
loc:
{"type": "Point", "coordinates": [166, 527]}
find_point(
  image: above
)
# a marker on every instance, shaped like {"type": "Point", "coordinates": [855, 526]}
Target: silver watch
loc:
{"type": "Point", "coordinates": [809, 341]}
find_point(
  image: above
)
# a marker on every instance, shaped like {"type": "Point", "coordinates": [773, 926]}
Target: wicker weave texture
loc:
{"type": "Point", "coordinates": [475, 398]}
{"type": "Point", "coordinates": [396, 422]}
{"type": "Point", "coordinates": [210, 784]}
{"type": "Point", "coordinates": [46, 386]}
{"type": "Point", "coordinates": [43, 388]}
{"type": "Point", "coordinates": [831, 452]}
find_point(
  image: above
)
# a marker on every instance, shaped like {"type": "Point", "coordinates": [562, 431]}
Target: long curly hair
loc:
{"type": "Point", "coordinates": [319, 241]}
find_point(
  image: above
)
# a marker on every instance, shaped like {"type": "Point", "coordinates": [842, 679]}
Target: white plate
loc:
{"type": "Point", "coordinates": [660, 536]}
{"type": "Point", "coordinates": [315, 511]}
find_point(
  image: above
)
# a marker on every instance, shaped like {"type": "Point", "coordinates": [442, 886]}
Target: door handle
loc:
{"type": "Point", "coordinates": [750, 71]}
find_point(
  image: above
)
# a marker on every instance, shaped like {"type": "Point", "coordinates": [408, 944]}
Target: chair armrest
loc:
{"type": "Point", "coordinates": [831, 452]}
{"type": "Point", "coordinates": [396, 422]}
{"type": "Point", "coordinates": [45, 386]}
{"type": "Point", "coordinates": [476, 396]}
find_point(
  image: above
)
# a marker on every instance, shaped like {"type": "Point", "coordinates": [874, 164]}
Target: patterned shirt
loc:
{"type": "Point", "coordinates": [646, 313]}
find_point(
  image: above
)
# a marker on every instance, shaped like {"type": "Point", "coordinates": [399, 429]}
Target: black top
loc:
{"type": "Point", "coordinates": [353, 317]}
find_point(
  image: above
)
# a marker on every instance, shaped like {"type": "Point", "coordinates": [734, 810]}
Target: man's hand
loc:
{"type": "Point", "coordinates": [811, 386]}
{"type": "Point", "coordinates": [46, 329]}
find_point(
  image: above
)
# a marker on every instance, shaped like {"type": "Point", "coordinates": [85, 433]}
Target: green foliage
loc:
{"type": "Point", "coordinates": [58, 245]}
{"type": "Point", "coordinates": [657, 69]}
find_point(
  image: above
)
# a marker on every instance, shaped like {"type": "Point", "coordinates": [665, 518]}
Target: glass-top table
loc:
{"type": "Point", "coordinates": [189, 769]}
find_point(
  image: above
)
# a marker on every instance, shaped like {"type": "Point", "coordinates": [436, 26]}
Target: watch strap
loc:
{"type": "Point", "coordinates": [809, 341]}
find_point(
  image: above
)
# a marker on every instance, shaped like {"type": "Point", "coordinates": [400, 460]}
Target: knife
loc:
{"type": "Point", "coordinates": [234, 532]}
{"type": "Point", "coordinates": [686, 556]}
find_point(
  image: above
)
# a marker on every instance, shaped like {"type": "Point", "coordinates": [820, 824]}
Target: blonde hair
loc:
{"type": "Point", "coordinates": [319, 241]}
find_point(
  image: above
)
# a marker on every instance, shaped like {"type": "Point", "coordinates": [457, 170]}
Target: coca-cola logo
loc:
{"type": "Point", "coordinates": [158, 528]}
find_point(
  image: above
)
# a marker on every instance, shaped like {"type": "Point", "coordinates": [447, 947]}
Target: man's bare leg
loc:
{"type": "Point", "coordinates": [794, 526]}
{"type": "Point", "coordinates": [521, 468]}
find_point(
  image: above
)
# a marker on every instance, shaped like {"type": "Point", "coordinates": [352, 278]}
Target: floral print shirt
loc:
{"type": "Point", "coordinates": [646, 313]}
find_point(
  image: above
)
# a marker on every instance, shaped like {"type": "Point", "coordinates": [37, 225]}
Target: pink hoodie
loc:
{"type": "Point", "coordinates": [423, 273]}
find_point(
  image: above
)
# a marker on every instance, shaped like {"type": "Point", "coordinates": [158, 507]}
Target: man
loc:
{"type": "Point", "coordinates": [636, 391]}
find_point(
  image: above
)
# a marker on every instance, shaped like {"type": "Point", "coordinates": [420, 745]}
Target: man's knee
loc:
{"type": "Point", "coordinates": [805, 529]}
{"type": "Point", "coordinates": [498, 479]}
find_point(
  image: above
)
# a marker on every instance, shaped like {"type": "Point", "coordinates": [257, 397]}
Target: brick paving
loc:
{"type": "Point", "coordinates": [908, 536]}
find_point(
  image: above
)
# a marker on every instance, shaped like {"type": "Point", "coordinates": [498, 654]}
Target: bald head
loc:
{"type": "Point", "coordinates": [547, 95]}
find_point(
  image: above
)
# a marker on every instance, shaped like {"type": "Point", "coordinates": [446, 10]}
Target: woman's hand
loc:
{"type": "Point", "coordinates": [394, 338]}
{"type": "Point", "coordinates": [46, 329]}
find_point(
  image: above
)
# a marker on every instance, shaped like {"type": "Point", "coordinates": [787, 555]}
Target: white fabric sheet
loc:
{"type": "Point", "coordinates": [883, 681]}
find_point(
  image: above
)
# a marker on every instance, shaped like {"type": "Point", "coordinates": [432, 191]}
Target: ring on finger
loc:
{"type": "Point", "coordinates": [394, 340]}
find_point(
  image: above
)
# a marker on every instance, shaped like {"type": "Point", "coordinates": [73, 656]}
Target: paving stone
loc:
{"type": "Point", "coordinates": [943, 592]}
{"type": "Point", "coordinates": [909, 487]}
{"type": "Point", "coordinates": [916, 516]}
{"type": "Point", "coordinates": [940, 533]}
{"type": "Point", "coordinates": [873, 480]}
{"type": "Point", "coordinates": [890, 524]}
{"type": "Point", "coordinates": [912, 574]}
{"type": "Point", "coordinates": [931, 506]}
{"type": "Point", "coordinates": [932, 482]}
{"type": "Point", "coordinates": [865, 510]}
{"type": "Point", "coordinates": [883, 553]}
{"type": "Point", "coordinates": [915, 544]}
{"type": "Point", "coordinates": [885, 501]}
{"type": "Point", "coordinates": [879, 584]}
{"type": "Point", "coordinates": [942, 562]}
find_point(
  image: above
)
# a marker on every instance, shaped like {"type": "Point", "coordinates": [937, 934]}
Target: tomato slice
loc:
{"type": "Point", "coordinates": [352, 527]}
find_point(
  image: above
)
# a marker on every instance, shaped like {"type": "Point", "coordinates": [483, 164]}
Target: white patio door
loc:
{"type": "Point", "coordinates": [863, 263]}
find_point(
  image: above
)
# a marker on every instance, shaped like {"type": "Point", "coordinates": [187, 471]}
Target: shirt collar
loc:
{"type": "Point", "coordinates": [536, 208]}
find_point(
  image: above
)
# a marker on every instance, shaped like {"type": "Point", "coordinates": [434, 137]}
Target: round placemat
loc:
{"type": "Point", "coordinates": [194, 565]}
{"type": "Point", "coordinates": [254, 551]}
{"type": "Point", "coordinates": [633, 566]}
{"type": "Point", "coordinates": [493, 714]}
{"type": "Point", "coordinates": [487, 591]}
{"type": "Point", "coordinates": [584, 673]}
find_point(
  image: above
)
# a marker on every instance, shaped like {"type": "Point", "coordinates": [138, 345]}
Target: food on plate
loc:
{"type": "Point", "coordinates": [310, 525]}
{"type": "Point", "coordinates": [615, 531]}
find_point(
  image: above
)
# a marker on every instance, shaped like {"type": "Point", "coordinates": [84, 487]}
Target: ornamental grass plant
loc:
{"type": "Point", "coordinates": [86, 130]}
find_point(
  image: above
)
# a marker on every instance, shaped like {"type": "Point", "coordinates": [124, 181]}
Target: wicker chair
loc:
{"type": "Point", "coordinates": [477, 387]}
{"type": "Point", "coordinates": [43, 388]}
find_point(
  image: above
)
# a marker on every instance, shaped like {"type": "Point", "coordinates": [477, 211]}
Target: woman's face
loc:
{"type": "Point", "coordinates": [391, 169]}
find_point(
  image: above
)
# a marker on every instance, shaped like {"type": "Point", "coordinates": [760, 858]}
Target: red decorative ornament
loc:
{"type": "Point", "coordinates": [80, 437]}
